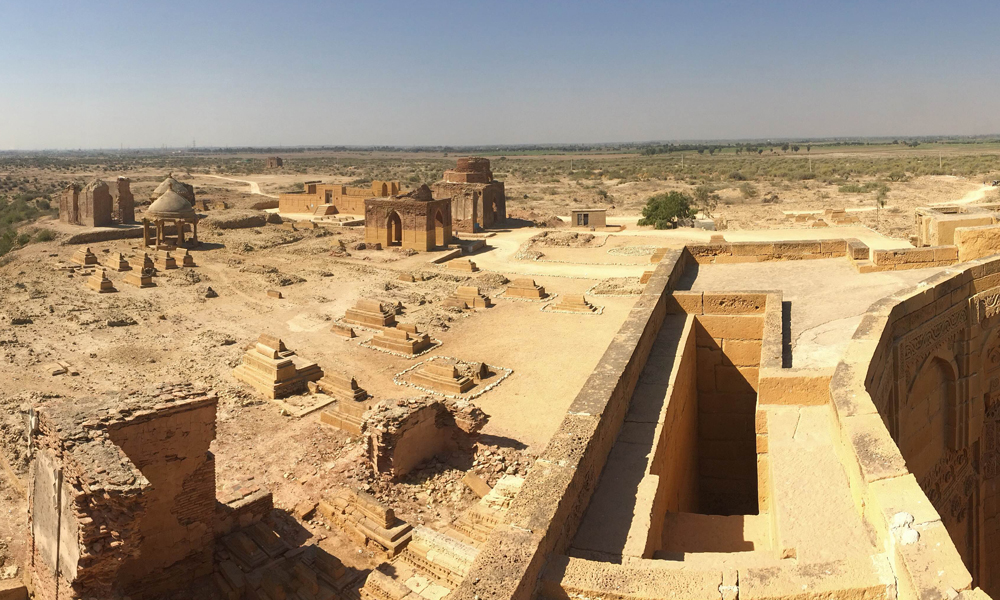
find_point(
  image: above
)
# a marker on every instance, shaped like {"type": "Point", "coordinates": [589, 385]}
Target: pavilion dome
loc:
{"type": "Point", "coordinates": [171, 205]}
{"type": "Point", "coordinates": [170, 184]}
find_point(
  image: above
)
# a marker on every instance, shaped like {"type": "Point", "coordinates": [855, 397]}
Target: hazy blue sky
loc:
{"type": "Point", "coordinates": [148, 73]}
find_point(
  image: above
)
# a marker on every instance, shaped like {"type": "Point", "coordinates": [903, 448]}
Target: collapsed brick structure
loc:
{"type": "Point", "coordinates": [329, 199]}
{"type": "Point", "coordinates": [414, 220]}
{"type": "Point", "coordinates": [401, 434]}
{"type": "Point", "coordinates": [477, 200]}
{"type": "Point", "coordinates": [90, 206]}
{"type": "Point", "coordinates": [274, 162]}
{"type": "Point", "coordinates": [122, 499]}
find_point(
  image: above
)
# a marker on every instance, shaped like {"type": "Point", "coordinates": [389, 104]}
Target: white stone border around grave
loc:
{"type": "Point", "coordinates": [639, 249]}
{"type": "Point", "coordinates": [397, 379]}
{"type": "Point", "coordinates": [435, 344]}
{"type": "Point", "coordinates": [590, 292]}
{"type": "Point", "coordinates": [597, 310]}
{"type": "Point", "coordinates": [500, 296]}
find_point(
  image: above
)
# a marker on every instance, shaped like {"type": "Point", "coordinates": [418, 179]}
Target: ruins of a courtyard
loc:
{"type": "Point", "coordinates": [394, 392]}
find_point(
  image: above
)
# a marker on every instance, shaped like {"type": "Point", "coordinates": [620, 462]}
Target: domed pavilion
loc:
{"type": "Point", "coordinates": [167, 218]}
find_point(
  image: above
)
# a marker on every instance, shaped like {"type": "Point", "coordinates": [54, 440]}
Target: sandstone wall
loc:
{"type": "Point", "coordinates": [917, 397]}
{"type": "Point", "coordinates": [742, 252]}
{"type": "Point", "coordinates": [729, 328]}
{"type": "Point", "coordinates": [977, 242]}
{"type": "Point", "coordinates": [546, 513]}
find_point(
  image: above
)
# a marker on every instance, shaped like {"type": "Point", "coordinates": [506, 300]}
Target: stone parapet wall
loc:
{"type": "Point", "coordinates": [744, 252]}
{"type": "Point", "coordinates": [546, 513]}
{"type": "Point", "coordinates": [915, 398]}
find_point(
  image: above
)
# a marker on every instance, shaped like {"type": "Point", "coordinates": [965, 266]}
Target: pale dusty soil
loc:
{"type": "Point", "coordinates": [179, 335]}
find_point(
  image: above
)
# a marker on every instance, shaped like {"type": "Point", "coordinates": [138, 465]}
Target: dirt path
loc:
{"type": "Point", "coordinates": [254, 186]}
{"type": "Point", "coordinates": [969, 198]}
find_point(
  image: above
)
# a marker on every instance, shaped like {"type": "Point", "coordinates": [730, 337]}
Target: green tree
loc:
{"type": "Point", "coordinates": [706, 199]}
{"type": "Point", "coordinates": [663, 210]}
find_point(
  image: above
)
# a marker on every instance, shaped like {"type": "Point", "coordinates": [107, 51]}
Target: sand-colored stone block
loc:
{"type": "Point", "coordinates": [741, 353]}
{"type": "Point", "coordinates": [684, 302]}
{"type": "Point", "coordinates": [740, 327]}
{"type": "Point", "coordinates": [733, 303]}
{"type": "Point", "coordinates": [803, 387]}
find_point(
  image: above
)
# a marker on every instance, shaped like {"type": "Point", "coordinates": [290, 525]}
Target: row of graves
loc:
{"type": "Point", "coordinates": [85, 262]}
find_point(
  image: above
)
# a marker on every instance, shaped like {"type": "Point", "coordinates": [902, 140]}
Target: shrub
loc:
{"type": "Point", "coordinates": [748, 190]}
{"type": "Point", "coordinates": [663, 210]}
{"type": "Point", "coordinates": [44, 235]}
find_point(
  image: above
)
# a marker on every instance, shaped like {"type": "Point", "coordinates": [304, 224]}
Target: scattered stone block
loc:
{"type": "Point", "coordinates": [99, 282]}
{"type": "Point", "coordinates": [274, 294]}
{"type": "Point", "coordinates": [476, 484]}
{"type": "Point", "coordinates": [407, 277]}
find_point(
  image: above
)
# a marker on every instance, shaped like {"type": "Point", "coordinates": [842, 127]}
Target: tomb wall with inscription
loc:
{"type": "Point", "coordinates": [917, 397]}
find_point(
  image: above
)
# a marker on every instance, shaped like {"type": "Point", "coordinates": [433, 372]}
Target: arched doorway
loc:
{"type": "Point", "coordinates": [933, 443]}
{"type": "Point", "coordinates": [439, 229]}
{"type": "Point", "coordinates": [394, 229]}
{"type": "Point", "coordinates": [385, 190]}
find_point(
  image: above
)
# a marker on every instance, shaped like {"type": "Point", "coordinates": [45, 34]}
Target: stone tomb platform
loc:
{"type": "Point", "coordinates": [467, 298]}
{"type": "Point", "coordinates": [346, 414]}
{"type": "Point", "coordinates": [525, 289]}
{"type": "Point", "coordinates": [371, 313]}
{"type": "Point", "coordinates": [399, 341]}
{"type": "Point", "coordinates": [452, 377]}
{"type": "Point", "coordinates": [274, 370]}
{"type": "Point", "coordinates": [575, 303]}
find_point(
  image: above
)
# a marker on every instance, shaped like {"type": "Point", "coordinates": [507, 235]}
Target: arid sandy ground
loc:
{"type": "Point", "coordinates": [173, 332]}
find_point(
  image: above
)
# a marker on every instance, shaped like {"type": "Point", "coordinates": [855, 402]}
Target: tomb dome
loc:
{"type": "Point", "coordinates": [170, 184]}
{"type": "Point", "coordinates": [171, 205]}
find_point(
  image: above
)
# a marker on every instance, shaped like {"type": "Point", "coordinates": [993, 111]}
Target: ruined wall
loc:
{"type": "Point", "coordinates": [741, 252]}
{"type": "Point", "coordinates": [424, 224]}
{"type": "Point", "coordinates": [348, 200]}
{"type": "Point", "coordinates": [474, 206]}
{"type": "Point", "coordinates": [546, 513]}
{"type": "Point", "coordinates": [125, 206]}
{"type": "Point", "coordinates": [69, 205]}
{"type": "Point", "coordinates": [177, 526]}
{"type": "Point", "coordinates": [918, 401]}
{"type": "Point", "coordinates": [401, 434]}
{"type": "Point", "coordinates": [96, 205]}
{"type": "Point", "coordinates": [104, 525]}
